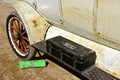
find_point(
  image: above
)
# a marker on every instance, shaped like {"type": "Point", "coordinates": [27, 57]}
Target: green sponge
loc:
{"type": "Point", "coordinates": [31, 64]}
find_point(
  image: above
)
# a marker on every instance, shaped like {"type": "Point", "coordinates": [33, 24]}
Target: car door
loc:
{"type": "Point", "coordinates": [78, 17]}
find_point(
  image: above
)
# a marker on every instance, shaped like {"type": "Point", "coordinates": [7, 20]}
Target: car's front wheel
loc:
{"type": "Point", "coordinates": [18, 37]}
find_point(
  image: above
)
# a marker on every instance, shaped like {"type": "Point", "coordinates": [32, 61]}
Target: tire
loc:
{"type": "Point", "coordinates": [18, 37]}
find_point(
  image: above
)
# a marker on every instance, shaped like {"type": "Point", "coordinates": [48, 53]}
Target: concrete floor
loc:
{"type": "Point", "coordinates": [9, 62]}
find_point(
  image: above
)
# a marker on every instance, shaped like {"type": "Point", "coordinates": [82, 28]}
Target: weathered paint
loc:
{"type": "Point", "coordinates": [90, 19]}
{"type": "Point", "coordinates": [96, 20]}
{"type": "Point", "coordinates": [35, 24]}
{"type": "Point", "coordinates": [108, 20]}
{"type": "Point", "coordinates": [78, 17]}
{"type": "Point", "coordinates": [83, 18]}
{"type": "Point", "coordinates": [108, 59]}
{"type": "Point", "coordinates": [51, 9]}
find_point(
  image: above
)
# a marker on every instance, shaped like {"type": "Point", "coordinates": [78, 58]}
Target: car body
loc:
{"type": "Point", "coordinates": [95, 20]}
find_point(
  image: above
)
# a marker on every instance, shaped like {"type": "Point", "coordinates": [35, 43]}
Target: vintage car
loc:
{"type": "Point", "coordinates": [91, 23]}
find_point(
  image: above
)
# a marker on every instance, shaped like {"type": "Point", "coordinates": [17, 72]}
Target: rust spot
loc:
{"type": "Point", "coordinates": [45, 24]}
{"type": "Point", "coordinates": [34, 22]}
{"type": "Point", "coordinates": [98, 33]}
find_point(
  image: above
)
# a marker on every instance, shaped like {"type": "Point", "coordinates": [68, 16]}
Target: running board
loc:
{"type": "Point", "coordinates": [77, 59]}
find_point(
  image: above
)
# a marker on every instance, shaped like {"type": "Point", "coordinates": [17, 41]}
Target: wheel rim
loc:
{"type": "Point", "coordinates": [18, 36]}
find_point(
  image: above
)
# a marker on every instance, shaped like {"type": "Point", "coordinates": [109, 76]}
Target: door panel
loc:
{"type": "Point", "coordinates": [78, 17]}
{"type": "Point", "coordinates": [108, 19]}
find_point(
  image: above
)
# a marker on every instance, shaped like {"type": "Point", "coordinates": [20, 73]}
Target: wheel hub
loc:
{"type": "Point", "coordinates": [19, 36]}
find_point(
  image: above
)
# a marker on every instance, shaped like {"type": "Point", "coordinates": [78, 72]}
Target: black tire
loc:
{"type": "Point", "coordinates": [18, 37]}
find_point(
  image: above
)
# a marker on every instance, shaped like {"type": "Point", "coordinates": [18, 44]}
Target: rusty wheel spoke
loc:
{"type": "Point", "coordinates": [13, 34]}
{"type": "Point", "coordinates": [24, 47]}
{"type": "Point", "coordinates": [14, 26]}
{"type": "Point", "coordinates": [20, 26]}
{"type": "Point", "coordinates": [13, 29]}
{"type": "Point", "coordinates": [23, 33]}
{"type": "Point", "coordinates": [26, 43]}
{"type": "Point", "coordinates": [25, 38]}
{"type": "Point", "coordinates": [19, 45]}
{"type": "Point", "coordinates": [16, 41]}
{"type": "Point", "coordinates": [17, 25]}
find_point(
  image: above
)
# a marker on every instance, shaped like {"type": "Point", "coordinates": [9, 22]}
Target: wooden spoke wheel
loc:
{"type": "Point", "coordinates": [18, 37]}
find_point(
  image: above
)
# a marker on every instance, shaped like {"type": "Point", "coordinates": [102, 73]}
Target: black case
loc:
{"type": "Point", "coordinates": [71, 53]}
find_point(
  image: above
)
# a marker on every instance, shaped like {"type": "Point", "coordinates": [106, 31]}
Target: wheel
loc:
{"type": "Point", "coordinates": [18, 37]}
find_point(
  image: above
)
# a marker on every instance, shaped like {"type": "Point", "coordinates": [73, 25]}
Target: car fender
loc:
{"type": "Point", "coordinates": [36, 25]}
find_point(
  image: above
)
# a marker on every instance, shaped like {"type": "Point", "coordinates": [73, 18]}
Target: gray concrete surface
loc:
{"type": "Point", "coordinates": [9, 62]}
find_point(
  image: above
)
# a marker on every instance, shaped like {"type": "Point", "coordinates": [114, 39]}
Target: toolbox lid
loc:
{"type": "Point", "coordinates": [71, 47]}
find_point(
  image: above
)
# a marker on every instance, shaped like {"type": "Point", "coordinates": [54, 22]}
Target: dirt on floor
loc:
{"type": "Point", "coordinates": [9, 62]}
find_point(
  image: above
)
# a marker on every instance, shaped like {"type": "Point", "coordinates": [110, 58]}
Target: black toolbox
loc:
{"type": "Point", "coordinates": [71, 53]}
